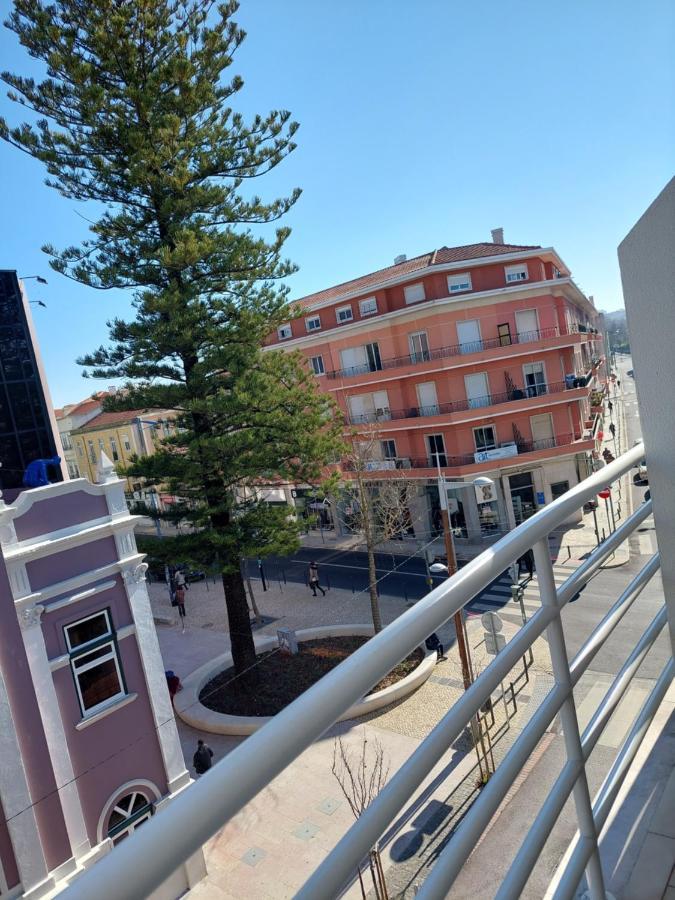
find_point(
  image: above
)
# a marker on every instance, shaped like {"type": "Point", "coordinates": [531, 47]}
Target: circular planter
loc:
{"type": "Point", "coordinates": [192, 711]}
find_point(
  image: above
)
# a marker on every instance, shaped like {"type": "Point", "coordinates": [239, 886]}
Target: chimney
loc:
{"type": "Point", "coordinates": [400, 258]}
{"type": "Point", "coordinates": [497, 235]}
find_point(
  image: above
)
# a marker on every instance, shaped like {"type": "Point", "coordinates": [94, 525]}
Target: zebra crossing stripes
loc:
{"type": "Point", "coordinates": [495, 597]}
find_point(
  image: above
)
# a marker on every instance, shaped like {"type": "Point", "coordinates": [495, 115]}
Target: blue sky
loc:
{"type": "Point", "coordinates": [421, 125]}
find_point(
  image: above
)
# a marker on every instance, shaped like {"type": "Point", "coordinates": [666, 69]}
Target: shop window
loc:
{"type": "Point", "coordinates": [558, 488]}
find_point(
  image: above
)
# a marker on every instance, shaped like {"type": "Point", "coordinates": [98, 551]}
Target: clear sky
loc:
{"type": "Point", "coordinates": [422, 124]}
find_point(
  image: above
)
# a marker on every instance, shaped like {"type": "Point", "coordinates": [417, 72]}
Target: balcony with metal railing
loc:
{"type": "Point", "coordinates": [520, 398]}
{"type": "Point", "coordinates": [481, 459]}
{"type": "Point", "coordinates": [144, 861]}
{"type": "Point", "coordinates": [465, 353]}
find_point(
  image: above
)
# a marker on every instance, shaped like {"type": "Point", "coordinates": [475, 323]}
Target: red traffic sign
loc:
{"type": "Point", "coordinates": [605, 495]}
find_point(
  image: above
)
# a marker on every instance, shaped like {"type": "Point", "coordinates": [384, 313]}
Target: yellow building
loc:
{"type": "Point", "coordinates": [120, 435]}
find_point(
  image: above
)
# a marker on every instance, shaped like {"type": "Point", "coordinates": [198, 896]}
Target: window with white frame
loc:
{"type": "Point", "coordinates": [457, 283]}
{"type": "Point", "coordinates": [284, 332]}
{"type": "Point", "coordinates": [94, 661]}
{"type": "Point", "coordinates": [414, 292]}
{"type": "Point", "coordinates": [65, 440]}
{"type": "Point", "coordinates": [485, 438]}
{"type": "Point", "coordinates": [313, 323]}
{"type": "Point", "coordinates": [80, 449]}
{"type": "Point", "coordinates": [344, 314]}
{"type": "Point", "coordinates": [126, 443]}
{"type": "Point", "coordinates": [92, 451]}
{"type": "Point", "coordinates": [73, 471]}
{"type": "Point", "coordinates": [317, 365]}
{"type": "Point", "coordinates": [368, 306]}
{"type": "Point", "coordinates": [388, 449]}
{"type": "Point", "coordinates": [130, 812]}
{"type": "Point", "coordinates": [516, 273]}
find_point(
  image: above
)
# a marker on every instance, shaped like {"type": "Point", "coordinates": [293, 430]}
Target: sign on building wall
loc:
{"type": "Point", "coordinates": [486, 493]}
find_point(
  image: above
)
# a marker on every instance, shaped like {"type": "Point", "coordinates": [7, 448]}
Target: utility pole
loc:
{"type": "Point", "coordinates": [452, 568]}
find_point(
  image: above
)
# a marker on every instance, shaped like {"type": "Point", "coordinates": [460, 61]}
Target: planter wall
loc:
{"type": "Point", "coordinates": [194, 713]}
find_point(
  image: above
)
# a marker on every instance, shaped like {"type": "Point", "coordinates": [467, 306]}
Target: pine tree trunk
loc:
{"type": "Point", "coordinates": [241, 636]}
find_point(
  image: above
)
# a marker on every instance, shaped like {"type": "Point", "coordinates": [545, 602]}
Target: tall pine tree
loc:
{"type": "Point", "coordinates": [135, 115]}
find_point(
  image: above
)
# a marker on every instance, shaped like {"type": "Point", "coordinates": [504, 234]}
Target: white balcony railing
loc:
{"type": "Point", "coordinates": [142, 862]}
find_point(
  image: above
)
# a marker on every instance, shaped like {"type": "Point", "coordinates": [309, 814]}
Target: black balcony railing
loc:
{"type": "Point", "coordinates": [448, 461]}
{"type": "Point", "coordinates": [527, 337]}
{"type": "Point", "coordinates": [441, 409]}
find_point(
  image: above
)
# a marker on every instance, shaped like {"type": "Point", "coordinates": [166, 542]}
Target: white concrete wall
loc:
{"type": "Point", "coordinates": [647, 261]}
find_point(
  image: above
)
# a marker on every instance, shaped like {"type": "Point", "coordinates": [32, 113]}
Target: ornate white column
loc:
{"type": "Point", "coordinates": [50, 713]}
{"type": "Point", "coordinates": [146, 635]}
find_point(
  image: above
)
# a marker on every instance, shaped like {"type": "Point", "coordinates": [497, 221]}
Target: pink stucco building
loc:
{"type": "Point", "coordinates": [88, 739]}
{"type": "Point", "coordinates": [478, 359]}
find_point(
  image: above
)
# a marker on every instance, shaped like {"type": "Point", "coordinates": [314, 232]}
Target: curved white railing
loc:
{"type": "Point", "coordinates": [141, 863]}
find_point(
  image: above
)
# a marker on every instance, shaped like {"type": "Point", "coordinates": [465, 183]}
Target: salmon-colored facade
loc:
{"type": "Point", "coordinates": [476, 359]}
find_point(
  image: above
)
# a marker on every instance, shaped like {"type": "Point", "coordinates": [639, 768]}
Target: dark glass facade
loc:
{"type": "Point", "coordinates": [25, 430]}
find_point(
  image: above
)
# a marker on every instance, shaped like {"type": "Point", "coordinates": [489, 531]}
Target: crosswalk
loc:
{"type": "Point", "coordinates": [497, 597]}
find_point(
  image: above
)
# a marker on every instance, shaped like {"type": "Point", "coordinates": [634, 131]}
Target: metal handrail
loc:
{"type": "Point", "coordinates": [440, 409]}
{"type": "Point", "coordinates": [141, 863]}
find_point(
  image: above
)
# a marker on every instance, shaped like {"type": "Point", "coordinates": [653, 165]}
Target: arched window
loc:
{"type": "Point", "coordinates": [127, 815]}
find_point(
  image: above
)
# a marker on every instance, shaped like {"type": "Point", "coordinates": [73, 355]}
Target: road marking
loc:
{"type": "Point", "coordinates": [645, 544]}
{"type": "Point", "coordinates": [587, 707]}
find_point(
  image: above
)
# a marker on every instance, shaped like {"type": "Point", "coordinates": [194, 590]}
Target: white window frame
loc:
{"type": "Point", "coordinates": [421, 355]}
{"type": "Point", "coordinates": [126, 443]}
{"type": "Point", "coordinates": [80, 449]}
{"type": "Point", "coordinates": [494, 437]}
{"type": "Point", "coordinates": [516, 273]}
{"type": "Point", "coordinates": [309, 323]}
{"type": "Point", "coordinates": [339, 318]}
{"type": "Point", "coordinates": [315, 369]}
{"type": "Point", "coordinates": [461, 282]}
{"type": "Point", "coordinates": [65, 440]}
{"type": "Point", "coordinates": [413, 298]}
{"type": "Point", "coordinates": [382, 450]}
{"type": "Point", "coordinates": [543, 384]}
{"type": "Point", "coordinates": [368, 310]}
{"type": "Point", "coordinates": [106, 640]}
{"type": "Point", "coordinates": [131, 820]}
{"type": "Point", "coordinates": [114, 450]}
{"type": "Point", "coordinates": [91, 450]}
{"type": "Point", "coordinates": [284, 332]}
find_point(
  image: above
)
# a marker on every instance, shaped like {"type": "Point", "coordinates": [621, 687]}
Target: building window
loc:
{"type": "Point", "coordinates": [368, 306]}
{"type": "Point", "coordinates": [344, 314]}
{"type": "Point", "coordinates": [284, 332]}
{"type": "Point", "coordinates": [113, 449]}
{"type": "Point", "coordinates": [457, 283]}
{"type": "Point", "coordinates": [516, 273]}
{"type": "Point", "coordinates": [436, 446]}
{"type": "Point", "coordinates": [419, 347]}
{"type": "Point", "coordinates": [92, 451]}
{"type": "Point", "coordinates": [558, 488]}
{"type": "Point", "coordinates": [313, 323]}
{"type": "Point", "coordinates": [317, 365]}
{"type": "Point", "coordinates": [125, 443]}
{"type": "Point", "coordinates": [65, 440]}
{"type": "Point", "coordinates": [414, 292]}
{"type": "Point", "coordinates": [94, 662]}
{"type": "Point", "coordinates": [388, 449]}
{"type": "Point", "coordinates": [373, 357]}
{"type": "Point", "coordinates": [128, 814]}
{"type": "Point", "coordinates": [485, 438]}
{"type": "Point", "coordinates": [80, 449]}
{"type": "Point", "coordinates": [73, 471]}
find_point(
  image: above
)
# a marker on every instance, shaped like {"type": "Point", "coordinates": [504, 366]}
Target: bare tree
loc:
{"type": "Point", "coordinates": [381, 506]}
{"type": "Point", "coordinates": [361, 775]}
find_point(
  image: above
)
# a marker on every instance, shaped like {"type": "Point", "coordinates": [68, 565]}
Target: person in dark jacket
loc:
{"type": "Point", "coordinates": [314, 579]}
{"type": "Point", "coordinates": [432, 643]}
{"type": "Point", "coordinates": [202, 760]}
{"type": "Point", "coordinates": [173, 683]}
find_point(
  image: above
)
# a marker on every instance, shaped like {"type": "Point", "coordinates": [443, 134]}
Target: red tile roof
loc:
{"type": "Point", "coordinates": [122, 417]}
{"type": "Point", "coordinates": [434, 258]}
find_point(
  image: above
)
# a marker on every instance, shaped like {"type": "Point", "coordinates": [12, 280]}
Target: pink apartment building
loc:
{"type": "Point", "coordinates": [478, 359]}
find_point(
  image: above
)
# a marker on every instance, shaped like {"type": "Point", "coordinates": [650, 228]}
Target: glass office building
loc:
{"type": "Point", "coordinates": [26, 431]}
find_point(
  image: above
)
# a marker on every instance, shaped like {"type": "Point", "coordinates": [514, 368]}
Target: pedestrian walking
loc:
{"type": "Point", "coordinates": [173, 683]}
{"type": "Point", "coordinates": [612, 429]}
{"type": "Point", "coordinates": [314, 579]}
{"type": "Point", "coordinates": [179, 579]}
{"type": "Point", "coordinates": [203, 758]}
{"type": "Point", "coordinates": [526, 561]}
{"type": "Point", "coordinates": [179, 597]}
{"type": "Point", "coordinates": [433, 643]}
{"type": "Point", "coordinates": [610, 407]}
